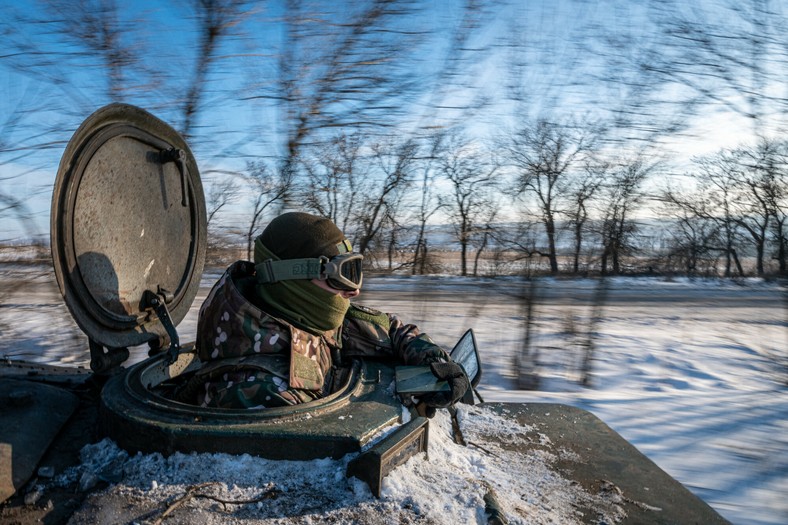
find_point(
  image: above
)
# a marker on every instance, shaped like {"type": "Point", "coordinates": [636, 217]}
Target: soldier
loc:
{"type": "Point", "coordinates": [271, 333]}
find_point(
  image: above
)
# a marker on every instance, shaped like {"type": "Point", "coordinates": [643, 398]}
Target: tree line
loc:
{"type": "Point", "coordinates": [543, 195]}
{"type": "Point", "coordinates": [538, 137]}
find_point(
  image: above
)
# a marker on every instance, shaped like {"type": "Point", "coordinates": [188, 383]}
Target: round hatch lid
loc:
{"type": "Point", "coordinates": [128, 215]}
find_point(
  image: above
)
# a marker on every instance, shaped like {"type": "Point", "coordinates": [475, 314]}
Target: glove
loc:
{"type": "Point", "coordinates": [452, 373]}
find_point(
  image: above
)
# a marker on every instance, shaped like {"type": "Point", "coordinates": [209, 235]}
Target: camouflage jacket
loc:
{"type": "Point", "coordinates": [237, 341]}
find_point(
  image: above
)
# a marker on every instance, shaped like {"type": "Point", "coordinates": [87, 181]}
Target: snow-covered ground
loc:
{"type": "Point", "coordinates": [693, 373]}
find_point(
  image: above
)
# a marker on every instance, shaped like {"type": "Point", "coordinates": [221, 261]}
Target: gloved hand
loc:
{"type": "Point", "coordinates": [452, 373]}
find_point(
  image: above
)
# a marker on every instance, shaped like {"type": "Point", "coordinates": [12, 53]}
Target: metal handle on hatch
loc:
{"type": "Point", "coordinates": [178, 156]}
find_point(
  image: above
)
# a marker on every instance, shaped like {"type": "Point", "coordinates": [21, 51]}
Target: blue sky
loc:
{"type": "Point", "coordinates": [553, 33]}
{"type": "Point", "coordinates": [69, 89]}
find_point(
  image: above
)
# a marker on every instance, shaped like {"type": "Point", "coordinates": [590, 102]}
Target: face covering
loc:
{"type": "Point", "coordinates": [300, 302]}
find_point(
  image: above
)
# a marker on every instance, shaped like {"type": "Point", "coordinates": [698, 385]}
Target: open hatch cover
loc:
{"type": "Point", "coordinates": [128, 216]}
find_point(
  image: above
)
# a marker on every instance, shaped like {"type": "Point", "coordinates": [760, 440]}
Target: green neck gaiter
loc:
{"type": "Point", "coordinates": [300, 301]}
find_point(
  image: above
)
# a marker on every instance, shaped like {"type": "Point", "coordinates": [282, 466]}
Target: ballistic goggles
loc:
{"type": "Point", "coordinates": [342, 272]}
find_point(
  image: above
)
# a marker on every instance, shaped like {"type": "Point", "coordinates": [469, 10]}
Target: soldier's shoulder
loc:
{"type": "Point", "coordinates": [365, 314]}
{"type": "Point", "coordinates": [362, 309]}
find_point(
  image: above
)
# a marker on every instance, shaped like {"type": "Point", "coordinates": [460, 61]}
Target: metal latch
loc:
{"type": "Point", "coordinates": [158, 302]}
{"type": "Point", "coordinates": [392, 451]}
{"type": "Point", "coordinates": [178, 156]}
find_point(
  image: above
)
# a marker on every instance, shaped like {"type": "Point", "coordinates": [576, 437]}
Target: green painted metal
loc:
{"type": "Point", "coordinates": [31, 414]}
{"type": "Point", "coordinates": [138, 419]}
{"type": "Point", "coordinates": [603, 460]}
{"type": "Point", "coordinates": [127, 216]}
{"type": "Point", "coordinates": [389, 453]}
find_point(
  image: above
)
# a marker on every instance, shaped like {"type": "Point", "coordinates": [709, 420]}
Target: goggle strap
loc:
{"type": "Point", "coordinates": [270, 271]}
{"type": "Point", "coordinates": [344, 247]}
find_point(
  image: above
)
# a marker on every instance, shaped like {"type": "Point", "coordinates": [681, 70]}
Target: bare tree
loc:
{"type": "Point", "coordinates": [696, 235]}
{"type": "Point", "coordinates": [361, 193]}
{"type": "Point", "coordinates": [333, 171]}
{"type": "Point", "coordinates": [215, 21]}
{"type": "Point", "coordinates": [470, 202]}
{"type": "Point", "coordinates": [713, 201]}
{"type": "Point", "coordinates": [381, 196]}
{"type": "Point", "coordinates": [427, 206]}
{"type": "Point", "coordinates": [727, 54]}
{"type": "Point", "coordinates": [268, 187]}
{"type": "Point", "coordinates": [222, 192]}
{"type": "Point", "coordinates": [394, 229]}
{"type": "Point", "coordinates": [53, 43]}
{"type": "Point", "coordinates": [760, 176]}
{"type": "Point", "coordinates": [741, 190]}
{"type": "Point", "coordinates": [544, 154]}
{"type": "Point", "coordinates": [583, 189]}
{"type": "Point", "coordinates": [341, 69]}
{"type": "Point", "coordinates": [778, 196]}
{"type": "Point", "coordinates": [622, 196]}
{"type": "Point", "coordinates": [53, 46]}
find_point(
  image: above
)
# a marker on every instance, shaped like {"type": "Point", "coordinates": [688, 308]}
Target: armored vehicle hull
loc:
{"type": "Point", "coordinates": [69, 417]}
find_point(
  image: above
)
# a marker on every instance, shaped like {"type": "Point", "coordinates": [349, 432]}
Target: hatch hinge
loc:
{"type": "Point", "coordinates": [106, 361]}
{"type": "Point", "coordinates": [158, 303]}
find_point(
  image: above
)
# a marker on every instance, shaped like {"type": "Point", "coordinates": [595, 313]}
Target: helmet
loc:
{"type": "Point", "coordinates": [298, 245]}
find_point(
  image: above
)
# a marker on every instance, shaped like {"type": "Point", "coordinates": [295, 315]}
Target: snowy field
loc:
{"type": "Point", "coordinates": [693, 373]}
